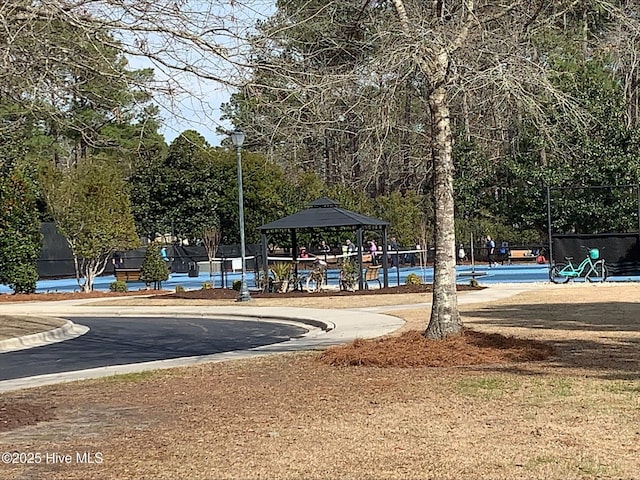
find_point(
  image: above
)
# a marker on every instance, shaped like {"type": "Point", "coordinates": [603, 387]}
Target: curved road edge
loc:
{"type": "Point", "coordinates": [66, 332]}
{"type": "Point", "coordinates": [327, 327]}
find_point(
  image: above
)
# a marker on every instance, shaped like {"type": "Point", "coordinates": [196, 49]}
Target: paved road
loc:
{"type": "Point", "coordinates": [121, 340]}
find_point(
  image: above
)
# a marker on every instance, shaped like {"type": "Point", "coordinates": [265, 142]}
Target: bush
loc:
{"type": "Point", "coordinates": [413, 279]}
{"type": "Point", "coordinates": [21, 277]}
{"type": "Point", "coordinates": [154, 268]}
{"type": "Point", "coordinates": [282, 271]}
{"type": "Point", "coordinates": [179, 289]}
{"type": "Point", "coordinates": [207, 286]}
{"type": "Point", "coordinates": [118, 286]}
{"type": "Point", "coordinates": [237, 285]}
{"type": "Point", "coordinates": [349, 275]}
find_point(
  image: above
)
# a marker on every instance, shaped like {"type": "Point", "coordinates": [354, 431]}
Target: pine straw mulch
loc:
{"type": "Point", "coordinates": [58, 296]}
{"type": "Point", "coordinates": [413, 349]}
{"type": "Point", "coordinates": [220, 294]}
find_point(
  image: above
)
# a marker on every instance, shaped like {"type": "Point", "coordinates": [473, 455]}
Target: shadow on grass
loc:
{"type": "Point", "coordinates": [605, 317]}
{"type": "Point", "coordinates": [603, 339]}
{"type": "Point", "coordinates": [618, 360]}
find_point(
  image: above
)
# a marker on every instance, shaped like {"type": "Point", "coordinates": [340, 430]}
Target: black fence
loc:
{"type": "Point", "coordinates": [56, 260]}
{"type": "Point", "coordinates": [621, 251]}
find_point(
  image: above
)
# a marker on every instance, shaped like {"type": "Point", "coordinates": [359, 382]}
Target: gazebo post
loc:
{"type": "Point", "coordinates": [265, 258]}
{"type": "Point", "coordinates": [385, 263]}
{"type": "Point", "coordinates": [359, 239]}
{"type": "Point", "coordinates": [294, 251]}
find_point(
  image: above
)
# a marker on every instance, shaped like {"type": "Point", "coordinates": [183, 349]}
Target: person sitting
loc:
{"type": "Point", "coordinates": [303, 252]}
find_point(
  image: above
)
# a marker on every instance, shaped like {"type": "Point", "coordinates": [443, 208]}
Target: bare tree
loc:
{"type": "Point", "coordinates": [193, 46]}
{"type": "Point", "coordinates": [316, 101]}
{"type": "Point", "coordinates": [211, 240]}
{"type": "Point", "coordinates": [476, 65]}
{"type": "Point", "coordinates": [488, 49]}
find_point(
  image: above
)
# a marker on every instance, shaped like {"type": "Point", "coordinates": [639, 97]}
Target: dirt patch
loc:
{"type": "Point", "coordinates": [412, 349]}
{"type": "Point", "coordinates": [219, 294]}
{"type": "Point", "coordinates": [21, 414]}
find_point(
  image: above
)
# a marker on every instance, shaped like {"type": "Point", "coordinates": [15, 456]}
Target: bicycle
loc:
{"type": "Point", "coordinates": [597, 270]}
{"type": "Point", "coordinates": [316, 278]}
{"type": "Point", "coordinates": [311, 281]}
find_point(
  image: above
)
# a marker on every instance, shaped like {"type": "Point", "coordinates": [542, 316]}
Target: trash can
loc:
{"type": "Point", "coordinates": [194, 269]}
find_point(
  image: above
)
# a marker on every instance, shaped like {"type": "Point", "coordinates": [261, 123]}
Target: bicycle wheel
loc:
{"type": "Point", "coordinates": [598, 273]}
{"type": "Point", "coordinates": [555, 276]}
{"type": "Point", "coordinates": [313, 285]}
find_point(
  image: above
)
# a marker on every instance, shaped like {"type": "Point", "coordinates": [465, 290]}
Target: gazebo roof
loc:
{"type": "Point", "coordinates": [324, 213]}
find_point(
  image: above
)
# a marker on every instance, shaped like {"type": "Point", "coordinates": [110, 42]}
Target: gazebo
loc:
{"type": "Point", "coordinates": [325, 214]}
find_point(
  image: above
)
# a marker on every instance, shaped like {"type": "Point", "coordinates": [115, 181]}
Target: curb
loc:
{"type": "Point", "coordinates": [66, 332]}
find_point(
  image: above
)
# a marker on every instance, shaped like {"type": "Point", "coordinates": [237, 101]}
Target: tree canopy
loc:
{"type": "Point", "coordinates": [91, 208]}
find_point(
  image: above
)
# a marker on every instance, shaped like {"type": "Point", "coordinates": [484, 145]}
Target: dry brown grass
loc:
{"type": "Point", "coordinates": [19, 325]}
{"type": "Point", "coordinates": [305, 301]}
{"type": "Point", "coordinates": [574, 416]}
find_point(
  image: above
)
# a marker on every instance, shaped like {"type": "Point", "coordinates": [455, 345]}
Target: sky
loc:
{"type": "Point", "coordinates": [198, 106]}
{"type": "Point", "coordinates": [200, 114]}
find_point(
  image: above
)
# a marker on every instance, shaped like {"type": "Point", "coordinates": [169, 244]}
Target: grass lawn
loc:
{"type": "Point", "coordinates": [575, 415]}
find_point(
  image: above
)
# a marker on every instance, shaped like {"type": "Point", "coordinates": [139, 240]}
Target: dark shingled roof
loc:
{"type": "Point", "coordinates": [323, 213]}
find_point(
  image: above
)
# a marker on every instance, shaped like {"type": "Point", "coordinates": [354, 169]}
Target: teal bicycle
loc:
{"type": "Point", "coordinates": [592, 266]}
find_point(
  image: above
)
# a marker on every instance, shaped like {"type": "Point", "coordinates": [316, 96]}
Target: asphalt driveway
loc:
{"type": "Point", "coordinates": [126, 340]}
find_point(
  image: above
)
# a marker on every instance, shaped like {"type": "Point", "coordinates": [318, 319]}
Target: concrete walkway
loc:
{"type": "Point", "coordinates": [326, 327]}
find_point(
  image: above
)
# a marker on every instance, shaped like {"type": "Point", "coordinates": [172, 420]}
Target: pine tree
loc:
{"type": "Point", "coordinates": [154, 269]}
{"type": "Point", "coordinates": [19, 225]}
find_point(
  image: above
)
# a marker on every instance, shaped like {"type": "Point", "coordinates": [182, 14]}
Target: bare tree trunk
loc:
{"type": "Point", "coordinates": [445, 318]}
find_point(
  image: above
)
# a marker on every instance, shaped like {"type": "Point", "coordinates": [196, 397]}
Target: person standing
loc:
{"type": "Point", "coordinates": [462, 255]}
{"type": "Point", "coordinates": [349, 248]}
{"type": "Point", "coordinates": [324, 248]}
{"type": "Point", "coordinates": [373, 250]}
{"type": "Point", "coordinates": [393, 247]}
{"type": "Point", "coordinates": [491, 250]}
{"type": "Point", "coordinates": [504, 252]}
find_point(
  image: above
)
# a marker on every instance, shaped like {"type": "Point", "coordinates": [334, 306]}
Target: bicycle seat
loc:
{"type": "Point", "coordinates": [568, 258]}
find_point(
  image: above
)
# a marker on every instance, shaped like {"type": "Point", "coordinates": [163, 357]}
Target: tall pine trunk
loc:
{"type": "Point", "coordinates": [445, 318]}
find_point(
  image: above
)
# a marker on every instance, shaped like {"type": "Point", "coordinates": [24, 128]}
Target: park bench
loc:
{"type": "Point", "coordinates": [127, 274]}
{"type": "Point", "coordinates": [521, 255]}
{"type": "Point", "coordinates": [371, 275]}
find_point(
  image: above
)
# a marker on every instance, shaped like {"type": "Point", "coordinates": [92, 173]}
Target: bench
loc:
{"type": "Point", "coordinates": [371, 275]}
{"type": "Point", "coordinates": [127, 274]}
{"type": "Point", "coordinates": [520, 255]}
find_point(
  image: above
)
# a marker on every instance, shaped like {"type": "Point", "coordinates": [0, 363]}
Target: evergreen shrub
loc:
{"type": "Point", "coordinates": [118, 286]}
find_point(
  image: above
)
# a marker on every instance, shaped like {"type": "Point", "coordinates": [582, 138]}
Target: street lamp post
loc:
{"type": "Point", "coordinates": [237, 138]}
